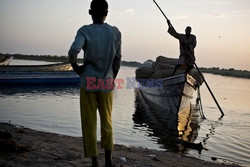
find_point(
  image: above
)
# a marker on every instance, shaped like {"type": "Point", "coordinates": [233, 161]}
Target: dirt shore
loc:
{"type": "Point", "coordinates": [23, 147]}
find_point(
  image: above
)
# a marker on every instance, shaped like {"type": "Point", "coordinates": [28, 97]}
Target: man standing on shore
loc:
{"type": "Point", "coordinates": [187, 44]}
{"type": "Point", "coordinates": [101, 44]}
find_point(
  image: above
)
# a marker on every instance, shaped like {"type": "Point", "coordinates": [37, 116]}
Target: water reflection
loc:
{"type": "Point", "coordinates": [50, 108]}
{"type": "Point", "coordinates": [176, 133]}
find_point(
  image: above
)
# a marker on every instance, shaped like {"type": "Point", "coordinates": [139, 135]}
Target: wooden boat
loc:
{"type": "Point", "coordinates": [174, 93]}
{"type": "Point", "coordinates": [38, 68]}
{"type": "Point", "coordinates": [60, 73]}
{"type": "Point", "coordinates": [167, 103]}
{"type": "Point", "coordinates": [5, 60]}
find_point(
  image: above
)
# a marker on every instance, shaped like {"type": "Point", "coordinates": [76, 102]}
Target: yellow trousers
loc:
{"type": "Point", "coordinates": [89, 103]}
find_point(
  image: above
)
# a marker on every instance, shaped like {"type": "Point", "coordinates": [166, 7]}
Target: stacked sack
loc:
{"type": "Point", "coordinates": [163, 67]}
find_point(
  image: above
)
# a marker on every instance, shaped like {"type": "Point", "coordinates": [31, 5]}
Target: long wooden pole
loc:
{"type": "Point", "coordinates": [160, 10]}
{"type": "Point", "coordinates": [222, 113]}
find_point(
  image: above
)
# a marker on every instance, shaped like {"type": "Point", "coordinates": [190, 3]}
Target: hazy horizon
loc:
{"type": "Point", "coordinates": [49, 27]}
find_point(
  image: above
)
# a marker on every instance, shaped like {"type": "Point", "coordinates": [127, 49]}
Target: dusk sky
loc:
{"type": "Point", "coordinates": [49, 26]}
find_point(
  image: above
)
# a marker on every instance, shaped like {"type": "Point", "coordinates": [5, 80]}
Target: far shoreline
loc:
{"type": "Point", "coordinates": [231, 72]}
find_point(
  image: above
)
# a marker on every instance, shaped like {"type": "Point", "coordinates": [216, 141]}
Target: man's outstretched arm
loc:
{"type": "Point", "coordinates": [171, 30]}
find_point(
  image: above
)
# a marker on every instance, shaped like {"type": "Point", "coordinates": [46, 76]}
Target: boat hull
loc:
{"type": "Point", "coordinates": [59, 77]}
{"type": "Point", "coordinates": [37, 68]}
{"type": "Point", "coordinates": [174, 96]}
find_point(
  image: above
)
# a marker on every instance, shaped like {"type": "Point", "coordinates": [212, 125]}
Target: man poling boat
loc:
{"type": "Point", "coordinates": [187, 50]}
{"type": "Point", "coordinates": [187, 44]}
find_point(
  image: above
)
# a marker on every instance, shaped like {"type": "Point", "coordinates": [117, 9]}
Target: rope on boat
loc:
{"type": "Point", "coordinates": [199, 103]}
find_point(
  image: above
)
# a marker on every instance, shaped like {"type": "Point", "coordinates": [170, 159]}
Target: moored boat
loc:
{"type": "Point", "coordinates": [60, 73]}
{"type": "Point", "coordinates": [5, 60]}
{"type": "Point", "coordinates": [37, 68]}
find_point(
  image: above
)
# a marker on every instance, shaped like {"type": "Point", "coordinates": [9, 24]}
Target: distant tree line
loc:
{"type": "Point", "coordinates": [131, 63]}
{"type": "Point", "coordinates": [49, 58]}
{"type": "Point", "coordinates": [54, 58]}
{"type": "Point", "coordinates": [227, 72]}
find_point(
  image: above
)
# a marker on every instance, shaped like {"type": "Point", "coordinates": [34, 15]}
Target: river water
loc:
{"type": "Point", "coordinates": [56, 109]}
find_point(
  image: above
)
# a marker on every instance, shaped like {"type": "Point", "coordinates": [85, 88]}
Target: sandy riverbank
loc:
{"type": "Point", "coordinates": [26, 147]}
